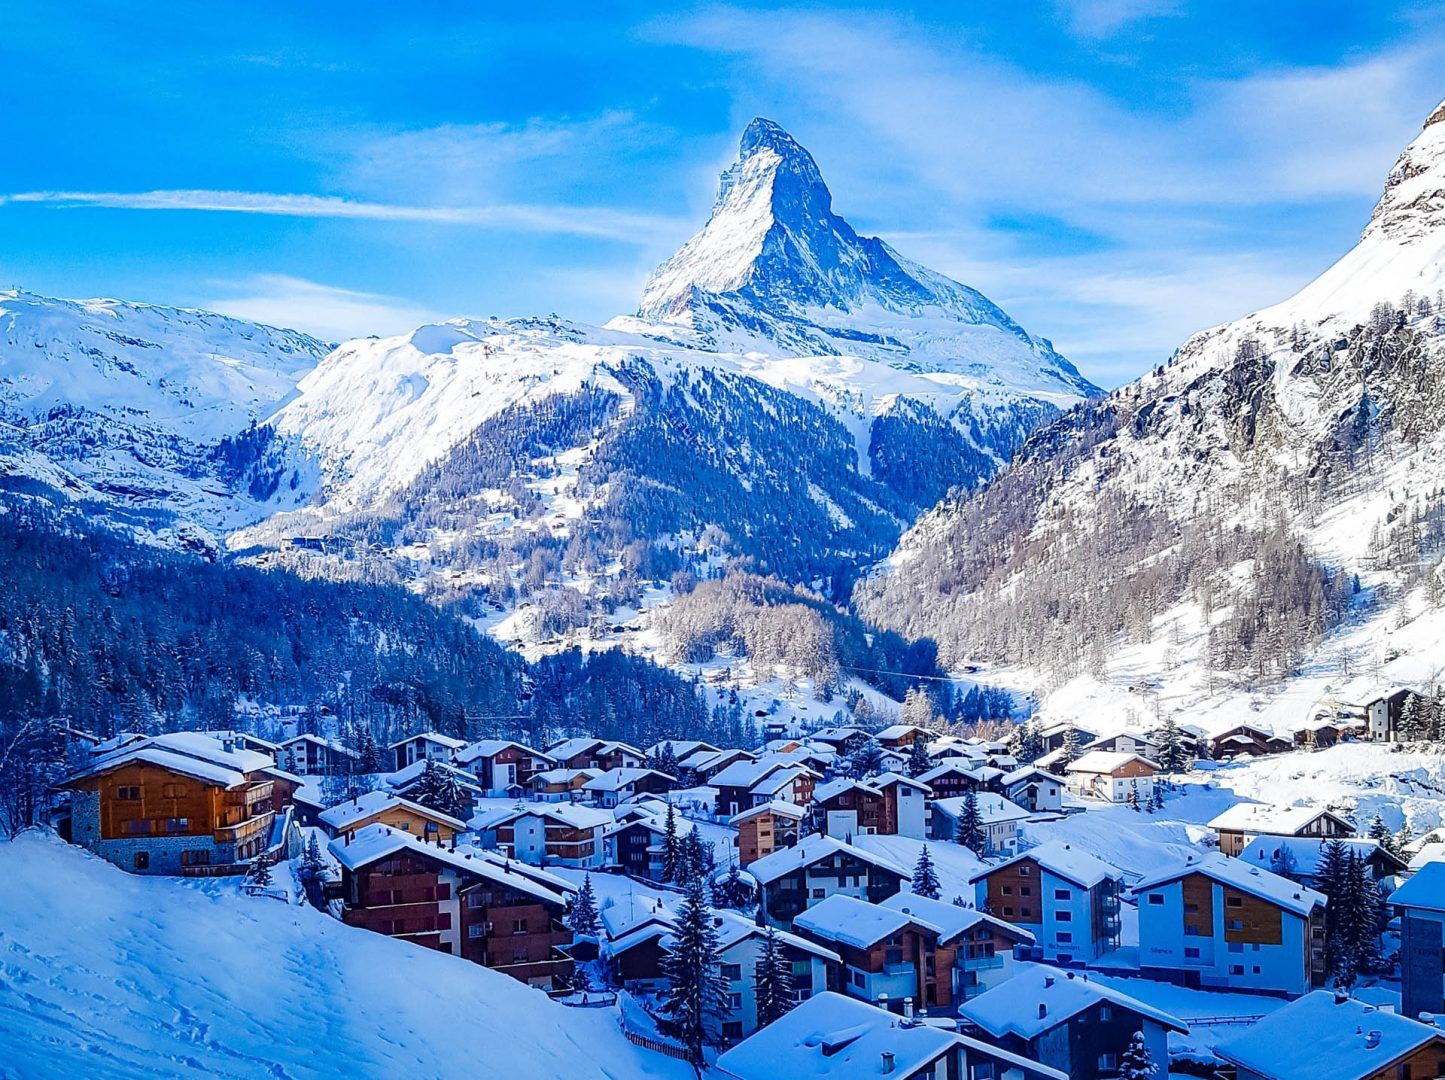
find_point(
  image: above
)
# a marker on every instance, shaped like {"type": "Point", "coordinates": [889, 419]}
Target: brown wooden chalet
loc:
{"type": "Point", "coordinates": [471, 903]}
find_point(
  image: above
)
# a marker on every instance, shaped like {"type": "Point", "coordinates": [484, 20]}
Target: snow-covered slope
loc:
{"type": "Point", "coordinates": [108, 975]}
{"type": "Point", "coordinates": [132, 398]}
{"type": "Point", "coordinates": [1259, 520]}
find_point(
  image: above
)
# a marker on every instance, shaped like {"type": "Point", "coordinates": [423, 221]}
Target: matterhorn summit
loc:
{"type": "Point", "coordinates": [775, 269]}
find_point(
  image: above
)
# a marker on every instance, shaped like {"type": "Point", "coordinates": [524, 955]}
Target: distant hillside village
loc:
{"type": "Point", "coordinates": [842, 902]}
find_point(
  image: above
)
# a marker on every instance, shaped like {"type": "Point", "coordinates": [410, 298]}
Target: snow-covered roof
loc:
{"type": "Point", "coordinates": [572, 815]}
{"type": "Point", "coordinates": [850, 921]}
{"type": "Point", "coordinates": [617, 779]}
{"type": "Point", "coordinates": [1039, 998]}
{"type": "Point", "coordinates": [1243, 877]}
{"type": "Point", "coordinates": [189, 753]}
{"type": "Point", "coordinates": [334, 745]}
{"type": "Point", "coordinates": [993, 809]}
{"type": "Point", "coordinates": [681, 748]}
{"type": "Point", "coordinates": [488, 748]}
{"type": "Point", "coordinates": [1319, 1037]}
{"type": "Point", "coordinates": [1275, 820]}
{"type": "Point", "coordinates": [745, 774]}
{"type": "Point", "coordinates": [567, 748]}
{"type": "Point", "coordinates": [379, 841]}
{"type": "Point", "coordinates": [833, 788]}
{"type": "Point", "coordinates": [1106, 761]}
{"type": "Point", "coordinates": [562, 776]}
{"type": "Point", "coordinates": [775, 782]}
{"type": "Point", "coordinates": [809, 850]}
{"type": "Point", "coordinates": [890, 779]}
{"type": "Point", "coordinates": [777, 806]}
{"type": "Point", "coordinates": [1304, 852]}
{"type": "Point", "coordinates": [1428, 852]}
{"type": "Point", "coordinates": [413, 772]}
{"type": "Point", "coordinates": [897, 731]}
{"type": "Point", "coordinates": [1026, 772]}
{"type": "Point", "coordinates": [951, 919]}
{"type": "Point", "coordinates": [831, 1035]}
{"type": "Point", "coordinates": [1424, 889]}
{"type": "Point", "coordinates": [628, 912]}
{"type": "Point", "coordinates": [431, 737]}
{"type": "Point", "coordinates": [1061, 859]}
{"type": "Point", "coordinates": [344, 815]}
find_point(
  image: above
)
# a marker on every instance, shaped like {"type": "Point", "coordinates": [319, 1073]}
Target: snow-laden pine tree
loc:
{"type": "Point", "coordinates": [733, 891]}
{"type": "Point", "coordinates": [694, 1000]}
{"type": "Point", "coordinates": [925, 877]}
{"type": "Point", "coordinates": [919, 761]}
{"type": "Point", "coordinates": [1069, 749]}
{"type": "Point", "coordinates": [261, 875]}
{"type": "Point", "coordinates": [867, 760]}
{"type": "Point", "coordinates": [671, 845]}
{"type": "Point", "coordinates": [582, 918]}
{"type": "Point", "coordinates": [969, 832]}
{"type": "Point", "coordinates": [1136, 1063]}
{"type": "Point", "coordinates": [1173, 758]}
{"type": "Point", "coordinates": [772, 980]}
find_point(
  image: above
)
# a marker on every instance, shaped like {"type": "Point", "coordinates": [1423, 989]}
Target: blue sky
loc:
{"type": "Point", "coordinates": [1115, 173]}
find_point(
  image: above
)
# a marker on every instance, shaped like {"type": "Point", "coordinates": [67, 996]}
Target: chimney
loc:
{"type": "Point", "coordinates": [1340, 996]}
{"type": "Point", "coordinates": [1043, 1010]}
{"type": "Point", "coordinates": [1048, 980]}
{"type": "Point", "coordinates": [908, 1008]}
{"type": "Point", "coordinates": [348, 837]}
{"type": "Point", "coordinates": [1372, 1040]}
{"type": "Point", "coordinates": [887, 1062]}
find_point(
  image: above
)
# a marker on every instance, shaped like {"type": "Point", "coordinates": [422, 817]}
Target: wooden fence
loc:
{"type": "Point", "coordinates": [656, 1046]}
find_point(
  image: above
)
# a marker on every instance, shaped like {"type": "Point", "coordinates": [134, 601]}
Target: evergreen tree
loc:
{"type": "Point", "coordinates": [925, 878]}
{"type": "Point", "coordinates": [1136, 1064]}
{"type": "Point", "coordinates": [969, 832]}
{"type": "Point", "coordinates": [1173, 758]}
{"type": "Point", "coordinates": [667, 761]}
{"type": "Point", "coordinates": [582, 919]}
{"type": "Point", "coordinates": [919, 761]}
{"type": "Point", "coordinates": [671, 846]}
{"type": "Point", "coordinates": [1414, 723]}
{"type": "Point", "coordinates": [312, 863]}
{"type": "Point", "coordinates": [772, 980]}
{"type": "Point", "coordinates": [1403, 839]}
{"type": "Point", "coordinates": [1069, 750]}
{"type": "Point", "coordinates": [733, 891]}
{"type": "Point", "coordinates": [368, 754]}
{"type": "Point", "coordinates": [1156, 798]}
{"type": "Point", "coordinates": [696, 861]}
{"type": "Point", "coordinates": [867, 759]}
{"type": "Point", "coordinates": [694, 999]}
{"type": "Point", "coordinates": [1031, 745]}
{"type": "Point", "coordinates": [261, 875]}
{"type": "Point", "coordinates": [1381, 834]}
{"type": "Point", "coordinates": [1132, 799]}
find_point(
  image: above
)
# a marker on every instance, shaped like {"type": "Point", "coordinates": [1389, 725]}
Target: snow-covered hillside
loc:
{"type": "Point", "coordinates": [133, 399]}
{"type": "Point", "coordinates": [108, 975]}
{"type": "Point", "coordinates": [1253, 526]}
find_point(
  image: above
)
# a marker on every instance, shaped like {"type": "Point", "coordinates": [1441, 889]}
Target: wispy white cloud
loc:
{"type": "Point", "coordinates": [588, 221]}
{"type": "Point", "coordinates": [1104, 18]}
{"type": "Point", "coordinates": [326, 311]}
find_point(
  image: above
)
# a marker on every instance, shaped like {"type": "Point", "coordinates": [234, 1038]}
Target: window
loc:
{"type": "Point", "coordinates": [1105, 1013]}
{"type": "Point", "coordinates": [173, 791]}
{"type": "Point", "coordinates": [476, 930]}
{"type": "Point", "coordinates": [1108, 1062]}
{"type": "Point", "coordinates": [405, 826]}
{"type": "Point", "coordinates": [1234, 901]}
{"type": "Point", "coordinates": [1236, 969]}
{"type": "Point", "coordinates": [858, 979]}
{"type": "Point", "coordinates": [893, 955]}
{"type": "Point", "coordinates": [475, 900]}
{"type": "Point", "coordinates": [818, 894]}
{"type": "Point", "coordinates": [1008, 890]}
{"type": "Point", "coordinates": [1064, 894]}
{"type": "Point", "coordinates": [138, 827]}
{"type": "Point", "coordinates": [1191, 954]}
{"type": "Point", "coordinates": [1064, 916]}
{"type": "Point", "coordinates": [732, 972]}
{"type": "Point", "coordinates": [733, 1029]}
{"type": "Point", "coordinates": [1235, 924]}
{"type": "Point", "coordinates": [1156, 898]}
{"type": "Point", "coordinates": [129, 794]}
{"type": "Point", "coordinates": [178, 824]}
{"type": "Point", "coordinates": [1026, 913]}
{"type": "Point", "coordinates": [1026, 890]}
{"type": "Point", "coordinates": [142, 860]}
{"type": "Point", "coordinates": [195, 858]}
{"type": "Point", "coordinates": [1008, 911]}
{"type": "Point", "coordinates": [519, 956]}
{"type": "Point", "coordinates": [735, 1001]}
{"type": "Point", "coordinates": [1191, 909]}
{"type": "Point", "coordinates": [519, 926]}
{"type": "Point", "coordinates": [1025, 870]}
{"type": "Point", "coordinates": [1065, 937]}
{"type": "Point", "coordinates": [1236, 946]}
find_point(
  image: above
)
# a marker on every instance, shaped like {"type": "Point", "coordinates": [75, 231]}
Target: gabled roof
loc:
{"type": "Point", "coordinates": [843, 784]}
{"type": "Point", "coordinates": [188, 753]}
{"type": "Point", "coordinates": [897, 731]}
{"type": "Point", "coordinates": [1275, 820]}
{"type": "Point", "coordinates": [561, 751]}
{"type": "Point", "coordinates": [414, 772]}
{"type": "Point", "coordinates": [432, 737]}
{"type": "Point", "coordinates": [850, 921]}
{"type": "Point", "coordinates": [333, 745]}
{"type": "Point", "coordinates": [1241, 876]}
{"type": "Point", "coordinates": [344, 815]}
{"type": "Point", "coordinates": [1062, 860]}
{"type": "Point", "coordinates": [893, 779]}
{"type": "Point", "coordinates": [1106, 761]}
{"type": "Point", "coordinates": [1013, 1007]}
{"type": "Point", "coordinates": [780, 778]}
{"type": "Point", "coordinates": [777, 806]}
{"type": "Point", "coordinates": [993, 809]}
{"type": "Point", "coordinates": [1304, 852]}
{"type": "Point", "coordinates": [617, 779]}
{"type": "Point", "coordinates": [572, 815]}
{"type": "Point", "coordinates": [489, 748]}
{"type": "Point", "coordinates": [1425, 889]}
{"type": "Point", "coordinates": [380, 841]}
{"type": "Point", "coordinates": [745, 774]}
{"type": "Point", "coordinates": [562, 776]}
{"type": "Point", "coordinates": [953, 920]}
{"type": "Point", "coordinates": [682, 748]}
{"type": "Point", "coordinates": [832, 1036]}
{"type": "Point", "coordinates": [812, 848]}
{"type": "Point", "coordinates": [970, 769]}
{"type": "Point", "coordinates": [1026, 772]}
{"type": "Point", "coordinates": [1320, 1038]}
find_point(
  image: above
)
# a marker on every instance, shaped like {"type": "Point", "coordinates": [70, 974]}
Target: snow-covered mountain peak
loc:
{"type": "Point", "coordinates": [1413, 205]}
{"type": "Point", "coordinates": [775, 269]}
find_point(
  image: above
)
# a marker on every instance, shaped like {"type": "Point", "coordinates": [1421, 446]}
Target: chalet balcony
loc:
{"type": "Point", "coordinates": [251, 795]}
{"type": "Point", "coordinates": [982, 963]}
{"type": "Point", "coordinates": [242, 831]}
{"type": "Point", "coordinates": [1110, 903]}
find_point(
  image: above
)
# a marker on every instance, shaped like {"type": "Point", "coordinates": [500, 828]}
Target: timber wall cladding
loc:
{"type": "Point", "coordinates": [1013, 893]}
{"type": "Point", "coordinates": [1260, 922]}
{"type": "Point", "coordinates": [1198, 898]}
{"type": "Point", "coordinates": [162, 796]}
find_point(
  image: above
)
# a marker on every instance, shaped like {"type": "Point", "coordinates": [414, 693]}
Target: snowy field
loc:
{"type": "Point", "coordinates": [108, 975]}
